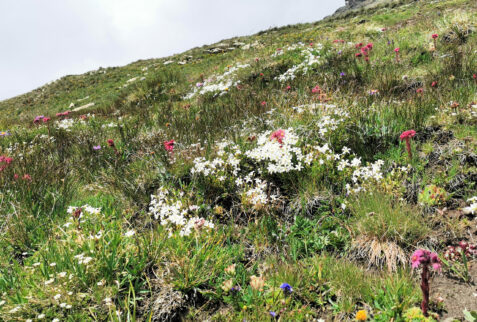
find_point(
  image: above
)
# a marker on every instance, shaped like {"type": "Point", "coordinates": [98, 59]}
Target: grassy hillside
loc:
{"type": "Point", "coordinates": [260, 178]}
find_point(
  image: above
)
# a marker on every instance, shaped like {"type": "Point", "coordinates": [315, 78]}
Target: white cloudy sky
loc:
{"type": "Point", "coordinates": [43, 40]}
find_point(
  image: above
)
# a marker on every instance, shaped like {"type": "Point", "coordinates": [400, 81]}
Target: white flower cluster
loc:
{"type": "Point", "coordinates": [228, 159]}
{"type": "Point", "coordinates": [309, 60]}
{"type": "Point", "coordinates": [220, 84]}
{"type": "Point", "coordinates": [66, 124]}
{"type": "Point", "coordinates": [84, 209]}
{"type": "Point", "coordinates": [173, 214]}
{"type": "Point", "coordinates": [472, 209]}
{"type": "Point", "coordinates": [279, 154]}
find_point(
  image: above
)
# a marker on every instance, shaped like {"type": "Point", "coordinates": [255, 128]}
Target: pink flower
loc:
{"type": "Point", "coordinates": [110, 142]}
{"type": "Point", "coordinates": [417, 257]}
{"type": "Point", "coordinates": [316, 89]}
{"type": "Point", "coordinates": [434, 36]}
{"type": "Point", "coordinates": [407, 134]}
{"type": "Point", "coordinates": [396, 50]}
{"type": "Point", "coordinates": [370, 45]}
{"type": "Point", "coordinates": [263, 103]}
{"type": "Point", "coordinates": [278, 135]}
{"type": "Point", "coordinates": [169, 145]}
{"type": "Point", "coordinates": [425, 257]}
{"type": "Point", "coordinates": [46, 119]}
{"type": "Point", "coordinates": [38, 119]}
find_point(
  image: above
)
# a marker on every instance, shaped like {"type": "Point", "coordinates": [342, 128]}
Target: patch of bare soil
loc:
{"type": "Point", "coordinates": [457, 296]}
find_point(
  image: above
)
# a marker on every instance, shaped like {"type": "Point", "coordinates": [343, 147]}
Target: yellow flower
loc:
{"type": "Point", "coordinates": [361, 315]}
{"type": "Point", "coordinates": [257, 283]}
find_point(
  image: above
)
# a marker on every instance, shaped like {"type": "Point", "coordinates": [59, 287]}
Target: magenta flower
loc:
{"type": "Point", "coordinates": [97, 147]}
{"type": "Point", "coordinates": [423, 258]}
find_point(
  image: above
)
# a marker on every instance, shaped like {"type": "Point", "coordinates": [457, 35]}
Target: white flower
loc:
{"type": "Point", "coordinates": [129, 233]}
{"type": "Point", "coordinates": [57, 296]}
{"type": "Point", "coordinates": [40, 316]}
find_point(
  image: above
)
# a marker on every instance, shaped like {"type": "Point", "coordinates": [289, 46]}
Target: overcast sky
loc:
{"type": "Point", "coordinates": [43, 40]}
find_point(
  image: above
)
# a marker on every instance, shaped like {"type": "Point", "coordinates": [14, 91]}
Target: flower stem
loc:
{"type": "Point", "coordinates": [425, 289]}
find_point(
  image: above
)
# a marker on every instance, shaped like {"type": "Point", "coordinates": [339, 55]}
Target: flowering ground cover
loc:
{"type": "Point", "coordinates": [323, 171]}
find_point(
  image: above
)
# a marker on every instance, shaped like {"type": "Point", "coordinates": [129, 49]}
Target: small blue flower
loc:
{"type": "Point", "coordinates": [273, 314]}
{"type": "Point", "coordinates": [342, 74]}
{"type": "Point", "coordinates": [287, 289]}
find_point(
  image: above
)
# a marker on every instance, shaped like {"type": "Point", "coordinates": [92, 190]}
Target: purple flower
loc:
{"type": "Point", "coordinates": [4, 133]}
{"type": "Point", "coordinates": [287, 289]}
{"type": "Point", "coordinates": [97, 147]}
{"type": "Point", "coordinates": [342, 74]}
{"type": "Point", "coordinates": [273, 314]}
{"type": "Point", "coordinates": [340, 52]}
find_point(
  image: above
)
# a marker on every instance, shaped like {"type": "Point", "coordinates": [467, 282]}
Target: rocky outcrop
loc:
{"type": "Point", "coordinates": [351, 5]}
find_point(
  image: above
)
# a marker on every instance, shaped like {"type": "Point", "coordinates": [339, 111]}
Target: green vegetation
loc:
{"type": "Point", "coordinates": [260, 178]}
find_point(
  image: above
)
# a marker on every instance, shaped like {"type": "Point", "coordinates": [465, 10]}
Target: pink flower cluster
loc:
{"type": "Point", "coordinates": [169, 145]}
{"type": "Point", "coordinates": [424, 257]}
{"type": "Point", "coordinates": [4, 161]}
{"type": "Point", "coordinates": [364, 50]}
{"type": "Point", "coordinates": [278, 135]}
{"type": "Point", "coordinates": [41, 118]}
{"type": "Point", "coordinates": [316, 89]}
{"type": "Point", "coordinates": [63, 113]}
{"type": "Point", "coordinates": [454, 253]}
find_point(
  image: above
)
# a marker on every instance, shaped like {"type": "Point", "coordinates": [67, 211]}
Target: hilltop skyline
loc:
{"type": "Point", "coordinates": [45, 41]}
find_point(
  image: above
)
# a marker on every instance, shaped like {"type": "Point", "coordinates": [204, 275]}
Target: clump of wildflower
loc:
{"type": "Point", "coordinates": [455, 253]}
{"type": "Point", "coordinates": [169, 145]}
{"type": "Point", "coordinates": [286, 288]}
{"type": "Point", "coordinates": [434, 38]}
{"type": "Point", "coordinates": [62, 114]}
{"type": "Point", "coordinates": [257, 283]}
{"type": "Point", "coordinates": [230, 269]}
{"type": "Point", "coordinates": [227, 285]}
{"type": "Point", "coordinates": [316, 90]}
{"type": "Point", "coordinates": [361, 315]}
{"type": "Point", "coordinates": [472, 209]}
{"type": "Point", "coordinates": [406, 136]}
{"type": "Point", "coordinates": [424, 258]}
{"type": "Point", "coordinates": [38, 119]}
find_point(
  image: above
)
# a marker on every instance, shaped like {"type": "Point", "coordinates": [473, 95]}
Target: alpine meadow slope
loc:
{"type": "Point", "coordinates": [322, 171]}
